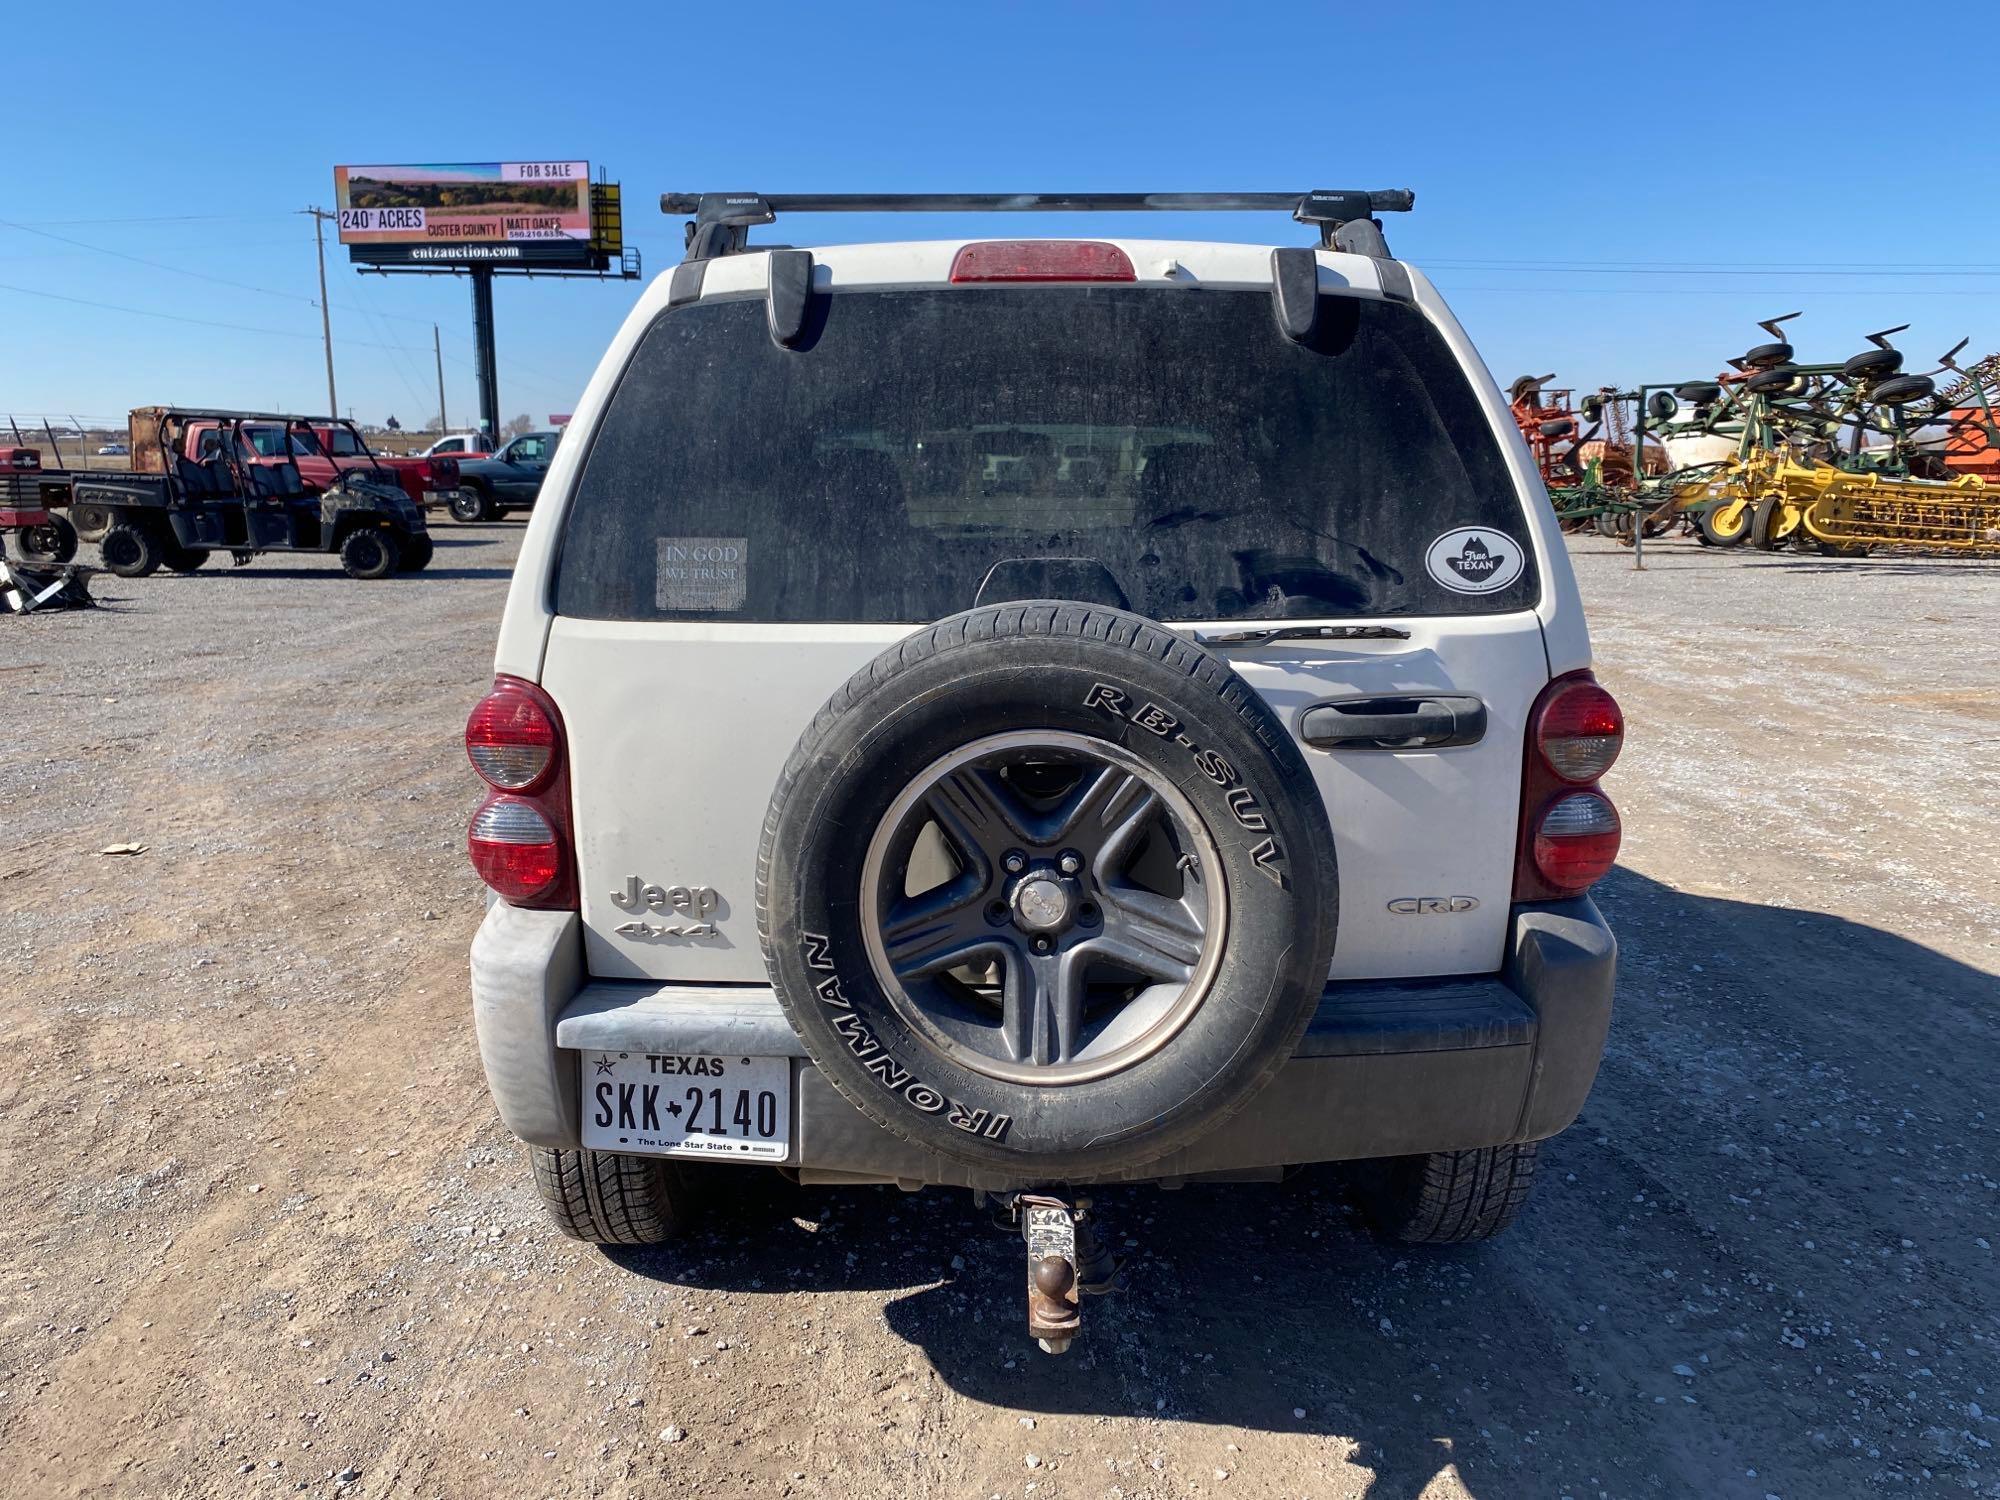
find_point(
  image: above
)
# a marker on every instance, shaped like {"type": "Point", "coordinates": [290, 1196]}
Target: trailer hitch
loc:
{"type": "Point", "coordinates": [1066, 1260]}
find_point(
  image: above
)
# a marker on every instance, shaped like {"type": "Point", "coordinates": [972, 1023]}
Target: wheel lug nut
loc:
{"type": "Point", "coordinates": [1015, 861]}
{"type": "Point", "coordinates": [1041, 945]}
{"type": "Point", "coordinates": [1070, 864]}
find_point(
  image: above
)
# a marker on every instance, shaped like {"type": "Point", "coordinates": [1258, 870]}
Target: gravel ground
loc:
{"type": "Point", "coordinates": [261, 1233]}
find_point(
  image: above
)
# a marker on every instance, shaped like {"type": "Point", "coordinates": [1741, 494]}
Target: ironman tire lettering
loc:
{"type": "Point", "coordinates": [862, 1043]}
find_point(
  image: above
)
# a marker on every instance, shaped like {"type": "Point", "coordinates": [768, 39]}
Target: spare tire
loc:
{"type": "Point", "coordinates": [1700, 392]}
{"type": "Point", "coordinates": [1047, 889]}
{"type": "Point", "coordinates": [1772, 381]}
{"type": "Point", "coordinates": [1765, 356]}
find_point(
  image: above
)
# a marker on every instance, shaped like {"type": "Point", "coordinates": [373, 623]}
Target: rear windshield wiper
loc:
{"type": "Point", "coordinates": [1263, 634]}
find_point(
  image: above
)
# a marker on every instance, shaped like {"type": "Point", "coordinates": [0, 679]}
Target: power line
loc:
{"type": "Point", "coordinates": [161, 219]}
{"type": "Point", "coordinates": [143, 312]}
{"type": "Point", "coordinates": [160, 265]}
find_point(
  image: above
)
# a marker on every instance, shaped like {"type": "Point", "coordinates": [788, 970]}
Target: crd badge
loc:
{"type": "Point", "coordinates": [1432, 906]}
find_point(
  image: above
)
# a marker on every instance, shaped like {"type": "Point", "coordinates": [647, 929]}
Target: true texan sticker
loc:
{"type": "Point", "coordinates": [1475, 560]}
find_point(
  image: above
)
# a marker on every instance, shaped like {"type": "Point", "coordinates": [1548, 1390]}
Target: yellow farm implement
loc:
{"type": "Point", "coordinates": [1845, 513]}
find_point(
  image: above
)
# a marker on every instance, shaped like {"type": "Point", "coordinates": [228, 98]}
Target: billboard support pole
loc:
{"type": "Point", "coordinates": [482, 351]}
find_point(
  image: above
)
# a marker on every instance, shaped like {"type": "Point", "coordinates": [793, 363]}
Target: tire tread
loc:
{"type": "Point", "coordinates": [606, 1198]}
{"type": "Point", "coordinates": [1454, 1197]}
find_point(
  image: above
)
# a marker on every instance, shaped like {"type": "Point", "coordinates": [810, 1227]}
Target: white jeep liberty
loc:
{"type": "Point", "coordinates": [1020, 714]}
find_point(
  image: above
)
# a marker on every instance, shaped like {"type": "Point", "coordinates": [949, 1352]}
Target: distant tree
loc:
{"type": "Point", "coordinates": [519, 425]}
{"type": "Point", "coordinates": [394, 425]}
{"type": "Point", "coordinates": [436, 423]}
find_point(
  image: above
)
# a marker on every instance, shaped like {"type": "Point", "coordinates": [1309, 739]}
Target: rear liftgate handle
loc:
{"type": "Point", "coordinates": [1423, 721]}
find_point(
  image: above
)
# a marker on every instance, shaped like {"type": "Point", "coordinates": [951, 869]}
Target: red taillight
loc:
{"type": "Point", "coordinates": [1041, 260]}
{"type": "Point", "coordinates": [1569, 831]}
{"type": "Point", "coordinates": [519, 841]}
{"type": "Point", "coordinates": [1576, 840]}
{"type": "Point", "coordinates": [511, 736]}
{"type": "Point", "coordinates": [1579, 731]}
{"type": "Point", "coordinates": [514, 848]}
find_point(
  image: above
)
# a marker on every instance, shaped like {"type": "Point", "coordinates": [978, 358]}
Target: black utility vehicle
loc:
{"type": "Point", "coordinates": [201, 483]}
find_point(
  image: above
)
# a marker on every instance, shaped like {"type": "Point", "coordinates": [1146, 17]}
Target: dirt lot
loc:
{"type": "Point", "coordinates": [261, 1233]}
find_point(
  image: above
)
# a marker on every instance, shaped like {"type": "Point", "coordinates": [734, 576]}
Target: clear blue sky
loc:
{"type": "Point", "coordinates": [1609, 197]}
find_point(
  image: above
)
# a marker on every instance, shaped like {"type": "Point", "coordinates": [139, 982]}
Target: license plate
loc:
{"type": "Point", "coordinates": [675, 1104]}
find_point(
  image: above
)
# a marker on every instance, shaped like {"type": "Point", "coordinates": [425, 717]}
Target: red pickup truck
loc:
{"type": "Point", "coordinates": [324, 450]}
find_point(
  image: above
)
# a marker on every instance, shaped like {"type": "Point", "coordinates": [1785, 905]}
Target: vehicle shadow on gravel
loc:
{"type": "Point", "coordinates": [1532, 1364]}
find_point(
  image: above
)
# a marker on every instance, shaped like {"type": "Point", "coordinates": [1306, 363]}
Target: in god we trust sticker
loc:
{"type": "Point", "coordinates": [1475, 560]}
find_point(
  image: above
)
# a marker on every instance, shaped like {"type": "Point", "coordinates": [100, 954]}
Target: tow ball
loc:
{"type": "Point", "coordinates": [1065, 1260]}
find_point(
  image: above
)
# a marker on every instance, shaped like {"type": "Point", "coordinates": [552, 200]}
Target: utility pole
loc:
{"type": "Point", "coordinates": [437, 349]}
{"type": "Point", "coordinates": [319, 218]}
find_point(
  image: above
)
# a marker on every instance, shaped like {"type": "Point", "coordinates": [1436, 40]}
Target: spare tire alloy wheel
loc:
{"type": "Point", "coordinates": [1047, 889]}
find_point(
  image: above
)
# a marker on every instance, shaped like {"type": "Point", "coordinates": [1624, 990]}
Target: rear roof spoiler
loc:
{"type": "Point", "coordinates": [1345, 217]}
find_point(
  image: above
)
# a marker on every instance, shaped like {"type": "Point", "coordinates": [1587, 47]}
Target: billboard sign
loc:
{"type": "Point", "coordinates": [502, 211]}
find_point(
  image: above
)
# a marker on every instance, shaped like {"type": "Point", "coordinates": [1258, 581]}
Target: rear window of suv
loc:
{"type": "Point", "coordinates": [923, 451]}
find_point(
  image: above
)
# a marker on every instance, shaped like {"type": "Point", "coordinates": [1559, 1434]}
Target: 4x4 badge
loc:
{"type": "Point", "coordinates": [1474, 560]}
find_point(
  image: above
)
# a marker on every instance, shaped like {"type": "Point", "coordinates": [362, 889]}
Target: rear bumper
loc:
{"type": "Point", "coordinates": [1385, 1069]}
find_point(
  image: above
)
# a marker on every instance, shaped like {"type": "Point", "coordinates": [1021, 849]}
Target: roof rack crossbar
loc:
{"type": "Point", "coordinates": [721, 221]}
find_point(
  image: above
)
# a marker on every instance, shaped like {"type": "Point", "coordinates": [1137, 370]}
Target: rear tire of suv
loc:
{"type": "Point", "coordinates": [1451, 1197]}
{"type": "Point", "coordinates": [1050, 745]}
{"type": "Point", "coordinates": [607, 1199]}
{"type": "Point", "coordinates": [417, 554]}
{"type": "Point", "coordinates": [130, 551]}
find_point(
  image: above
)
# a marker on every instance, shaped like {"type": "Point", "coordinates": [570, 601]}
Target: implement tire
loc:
{"type": "Point", "coordinates": [1765, 517]}
{"type": "Point", "coordinates": [1715, 535]}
